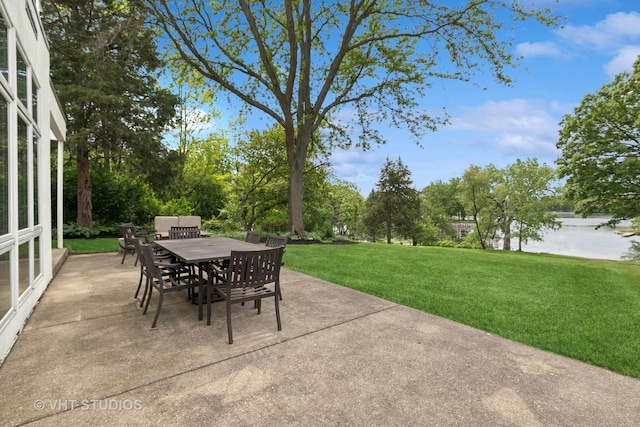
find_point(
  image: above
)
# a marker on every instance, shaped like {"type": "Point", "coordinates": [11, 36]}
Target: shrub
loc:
{"type": "Point", "coordinates": [75, 231]}
{"type": "Point", "coordinates": [115, 198]}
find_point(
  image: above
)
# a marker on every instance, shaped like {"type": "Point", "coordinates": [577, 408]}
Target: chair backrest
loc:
{"type": "Point", "coordinates": [138, 245]}
{"type": "Point", "coordinates": [184, 232]}
{"type": "Point", "coordinates": [253, 237]}
{"type": "Point", "coordinates": [274, 241]}
{"type": "Point", "coordinates": [146, 256]}
{"type": "Point", "coordinates": [162, 225]}
{"type": "Point", "coordinates": [254, 268]}
{"type": "Point", "coordinates": [128, 231]}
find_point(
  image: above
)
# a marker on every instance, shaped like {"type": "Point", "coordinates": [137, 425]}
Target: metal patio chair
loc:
{"type": "Point", "coordinates": [274, 241]}
{"type": "Point", "coordinates": [251, 276]}
{"type": "Point", "coordinates": [253, 237]}
{"type": "Point", "coordinates": [162, 280]}
{"type": "Point", "coordinates": [184, 232]}
{"type": "Point", "coordinates": [169, 267]}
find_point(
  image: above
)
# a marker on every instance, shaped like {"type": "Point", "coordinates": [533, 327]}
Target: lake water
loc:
{"type": "Point", "coordinates": [578, 237]}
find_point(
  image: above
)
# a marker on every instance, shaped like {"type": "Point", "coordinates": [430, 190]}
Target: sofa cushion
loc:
{"type": "Point", "coordinates": [162, 224]}
{"type": "Point", "coordinates": [190, 221]}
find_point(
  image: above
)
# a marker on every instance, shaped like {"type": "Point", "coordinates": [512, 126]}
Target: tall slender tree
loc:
{"type": "Point", "coordinates": [103, 59]}
{"type": "Point", "coordinates": [441, 207]}
{"type": "Point", "coordinates": [523, 191]}
{"type": "Point", "coordinates": [475, 193]}
{"type": "Point", "coordinates": [348, 205]}
{"type": "Point", "coordinates": [299, 62]}
{"type": "Point", "coordinates": [397, 205]}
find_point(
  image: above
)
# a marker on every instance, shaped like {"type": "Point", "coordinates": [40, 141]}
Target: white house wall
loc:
{"type": "Point", "coordinates": [24, 276]}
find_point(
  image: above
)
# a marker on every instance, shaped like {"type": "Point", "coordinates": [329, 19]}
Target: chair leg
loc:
{"type": "Point", "coordinates": [147, 287]}
{"type": "Point", "coordinates": [139, 283]}
{"type": "Point", "coordinates": [155, 319]}
{"type": "Point", "coordinates": [124, 254]}
{"type": "Point", "coordinates": [146, 307]}
{"type": "Point", "coordinates": [209, 286]}
{"type": "Point", "coordinates": [229, 321]}
{"type": "Point", "coordinates": [278, 312]}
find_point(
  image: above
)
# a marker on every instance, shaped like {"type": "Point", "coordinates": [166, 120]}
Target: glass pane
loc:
{"type": "Point", "coordinates": [4, 49]}
{"type": "Point", "coordinates": [37, 257]}
{"type": "Point", "coordinates": [4, 169]}
{"type": "Point", "coordinates": [23, 184]}
{"type": "Point", "coordinates": [22, 79]}
{"type": "Point", "coordinates": [5, 285]}
{"type": "Point", "coordinates": [36, 219]}
{"type": "Point", "coordinates": [34, 101]}
{"type": "Point", "coordinates": [23, 268]}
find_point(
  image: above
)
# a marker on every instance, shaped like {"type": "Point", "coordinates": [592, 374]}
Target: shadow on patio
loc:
{"type": "Point", "coordinates": [89, 356]}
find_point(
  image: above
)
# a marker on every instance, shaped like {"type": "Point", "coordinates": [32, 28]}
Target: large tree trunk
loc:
{"type": "Point", "coordinates": [84, 189]}
{"type": "Point", "coordinates": [520, 237]}
{"type": "Point", "coordinates": [296, 157]}
{"type": "Point", "coordinates": [296, 199]}
{"type": "Point", "coordinates": [483, 243]}
{"type": "Point", "coordinates": [506, 245]}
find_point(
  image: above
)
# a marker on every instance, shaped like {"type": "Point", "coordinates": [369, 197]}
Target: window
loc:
{"type": "Point", "coordinates": [37, 269]}
{"type": "Point", "coordinates": [4, 49]}
{"type": "Point", "coordinates": [23, 268]}
{"type": "Point", "coordinates": [36, 219]}
{"type": "Point", "coordinates": [32, 20]}
{"type": "Point", "coordinates": [23, 175]}
{"type": "Point", "coordinates": [5, 284]}
{"type": "Point", "coordinates": [34, 101]}
{"type": "Point", "coordinates": [4, 169]}
{"type": "Point", "coordinates": [21, 68]}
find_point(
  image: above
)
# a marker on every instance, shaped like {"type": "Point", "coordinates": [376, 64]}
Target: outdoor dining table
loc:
{"type": "Point", "coordinates": [202, 251]}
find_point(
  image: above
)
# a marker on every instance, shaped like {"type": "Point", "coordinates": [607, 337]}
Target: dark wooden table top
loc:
{"type": "Point", "coordinates": [206, 249]}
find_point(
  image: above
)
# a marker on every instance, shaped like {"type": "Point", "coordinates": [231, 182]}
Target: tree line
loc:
{"type": "Point", "coordinates": [298, 63]}
{"type": "Point", "coordinates": [512, 202]}
{"type": "Point", "coordinates": [137, 148]}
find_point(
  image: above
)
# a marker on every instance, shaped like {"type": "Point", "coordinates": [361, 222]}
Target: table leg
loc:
{"type": "Point", "coordinates": [200, 290]}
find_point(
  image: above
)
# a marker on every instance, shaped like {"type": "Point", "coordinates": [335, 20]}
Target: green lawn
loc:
{"type": "Point", "coordinates": [89, 245]}
{"type": "Point", "coordinates": [585, 309]}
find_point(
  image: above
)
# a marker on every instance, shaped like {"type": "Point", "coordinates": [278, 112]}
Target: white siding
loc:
{"type": "Point", "coordinates": [26, 249]}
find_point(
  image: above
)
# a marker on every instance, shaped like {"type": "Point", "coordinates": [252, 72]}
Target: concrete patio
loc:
{"type": "Point", "coordinates": [89, 357]}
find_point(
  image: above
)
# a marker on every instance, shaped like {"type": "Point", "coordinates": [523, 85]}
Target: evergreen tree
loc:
{"type": "Point", "coordinates": [103, 59]}
{"type": "Point", "coordinates": [397, 206]}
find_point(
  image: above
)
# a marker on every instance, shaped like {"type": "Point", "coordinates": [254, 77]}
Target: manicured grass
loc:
{"type": "Point", "coordinates": [90, 245]}
{"type": "Point", "coordinates": [585, 309]}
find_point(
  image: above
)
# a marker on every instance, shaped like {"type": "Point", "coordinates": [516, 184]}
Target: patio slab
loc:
{"type": "Point", "coordinates": [89, 356]}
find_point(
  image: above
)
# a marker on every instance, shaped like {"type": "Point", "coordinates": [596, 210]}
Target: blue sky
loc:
{"type": "Point", "coordinates": [599, 39]}
{"type": "Point", "coordinates": [560, 66]}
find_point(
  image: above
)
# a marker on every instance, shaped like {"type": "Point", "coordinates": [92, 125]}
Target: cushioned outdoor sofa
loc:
{"type": "Point", "coordinates": [163, 224]}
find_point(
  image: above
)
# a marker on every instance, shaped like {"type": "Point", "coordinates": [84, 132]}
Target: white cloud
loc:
{"type": "Point", "coordinates": [503, 116]}
{"type": "Point", "coordinates": [355, 165]}
{"type": "Point", "coordinates": [538, 49]}
{"type": "Point", "coordinates": [527, 145]}
{"type": "Point", "coordinates": [515, 126]}
{"type": "Point", "coordinates": [614, 32]}
{"type": "Point", "coordinates": [616, 36]}
{"type": "Point", "coordinates": [623, 61]}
